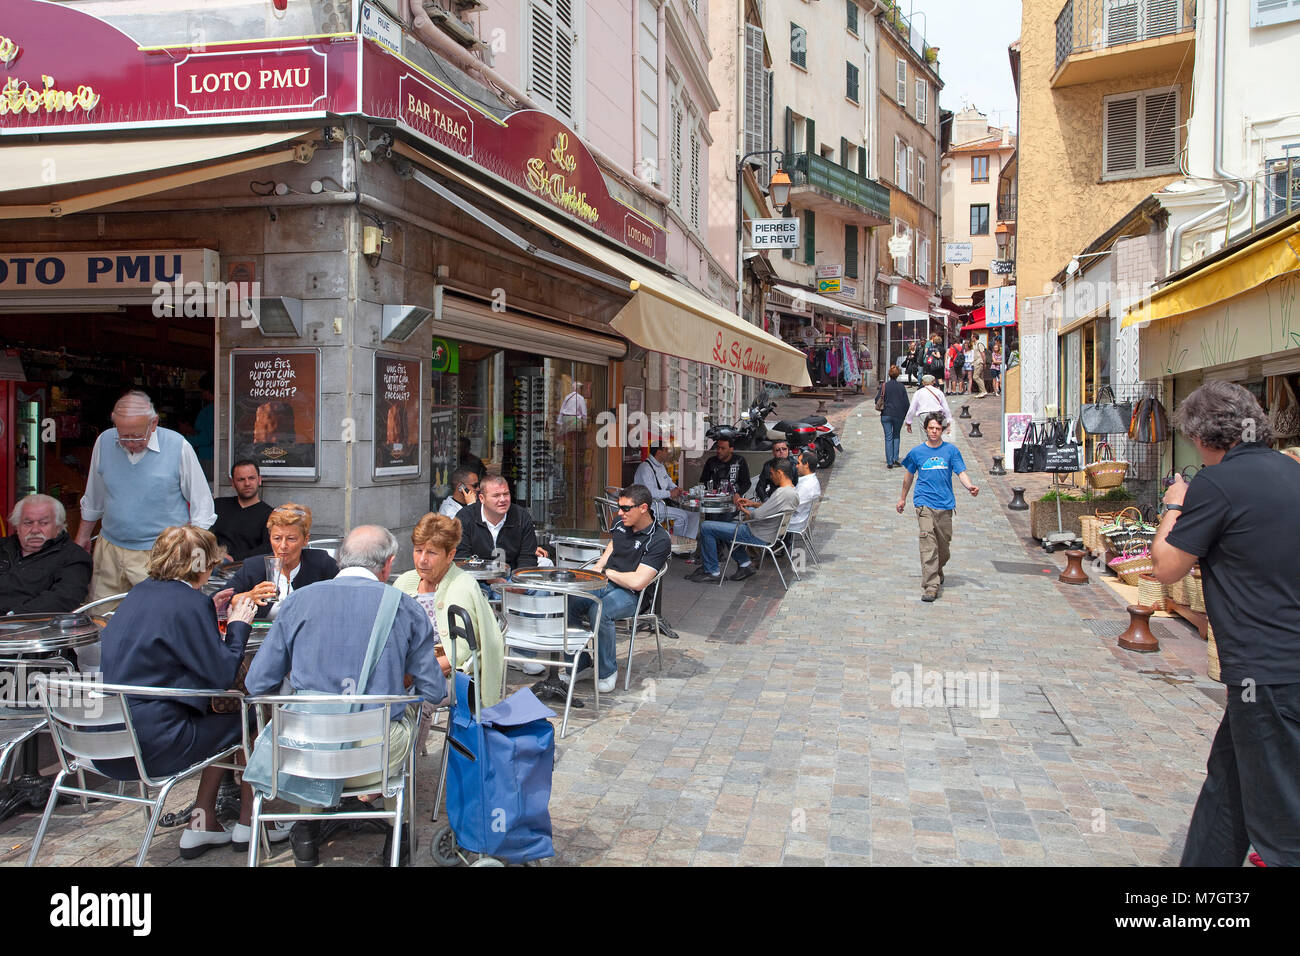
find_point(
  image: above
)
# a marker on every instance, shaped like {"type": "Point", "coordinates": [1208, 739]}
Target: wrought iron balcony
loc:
{"type": "Point", "coordinates": [1097, 39]}
{"type": "Point", "coordinates": [817, 183]}
{"type": "Point", "coordinates": [1007, 208]}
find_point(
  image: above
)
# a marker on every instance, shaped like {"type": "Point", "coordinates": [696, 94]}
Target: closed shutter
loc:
{"type": "Point", "coordinates": [755, 84]}
{"type": "Point", "coordinates": [810, 136]}
{"type": "Point", "coordinates": [862, 161]}
{"type": "Point", "coordinates": [551, 67]}
{"type": "Point", "coordinates": [920, 178]}
{"type": "Point", "coordinates": [851, 81]}
{"type": "Point", "coordinates": [900, 179]}
{"type": "Point", "coordinates": [677, 155]}
{"type": "Point", "coordinates": [1159, 123]}
{"type": "Point", "coordinates": [851, 251]}
{"type": "Point", "coordinates": [901, 94]}
{"type": "Point", "coordinates": [844, 152]}
{"type": "Point", "coordinates": [798, 46]}
{"type": "Point", "coordinates": [1122, 21]}
{"type": "Point", "coordinates": [922, 101]}
{"type": "Point", "coordinates": [1121, 135]}
{"type": "Point", "coordinates": [696, 175]}
{"type": "Point", "coordinates": [1164, 17]}
{"type": "Point", "coordinates": [809, 237]}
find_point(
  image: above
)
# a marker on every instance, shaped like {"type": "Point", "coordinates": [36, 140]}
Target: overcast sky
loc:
{"type": "Point", "coordinates": [972, 37]}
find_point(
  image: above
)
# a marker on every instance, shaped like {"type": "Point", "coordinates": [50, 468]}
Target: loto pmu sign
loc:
{"type": "Point", "coordinates": [774, 233]}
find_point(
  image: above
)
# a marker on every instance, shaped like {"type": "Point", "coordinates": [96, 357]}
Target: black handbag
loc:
{"type": "Point", "coordinates": [1106, 417]}
{"type": "Point", "coordinates": [1060, 451]}
{"type": "Point", "coordinates": [1030, 456]}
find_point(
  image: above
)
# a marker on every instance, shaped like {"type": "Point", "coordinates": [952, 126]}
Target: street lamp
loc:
{"type": "Point", "coordinates": [779, 187]}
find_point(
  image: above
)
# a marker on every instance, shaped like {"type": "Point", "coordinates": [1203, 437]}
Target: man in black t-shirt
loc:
{"type": "Point", "coordinates": [241, 518]}
{"type": "Point", "coordinates": [1239, 516]}
{"type": "Point", "coordinates": [724, 466]}
{"type": "Point", "coordinates": [638, 549]}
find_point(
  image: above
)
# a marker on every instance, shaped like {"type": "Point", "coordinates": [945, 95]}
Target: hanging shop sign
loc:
{"type": "Point", "coordinates": [275, 411]}
{"type": "Point", "coordinates": [958, 253]}
{"type": "Point", "coordinates": [830, 272]}
{"type": "Point", "coordinates": [446, 356]}
{"type": "Point", "coordinates": [829, 285]}
{"type": "Point", "coordinates": [774, 233]}
{"type": "Point", "coordinates": [398, 419]}
{"type": "Point", "coordinates": [1000, 307]}
{"type": "Point", "coordinates": [1004, 267]}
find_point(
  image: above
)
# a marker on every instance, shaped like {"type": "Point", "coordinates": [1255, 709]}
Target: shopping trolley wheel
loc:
{"type": "Point", "coordinates": [487, 861]}
{"type": "Point", "coordinates": [443, 847]}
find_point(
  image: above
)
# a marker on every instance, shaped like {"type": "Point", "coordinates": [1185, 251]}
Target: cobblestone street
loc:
{"type": "Point", "coordinates": [808, 727]}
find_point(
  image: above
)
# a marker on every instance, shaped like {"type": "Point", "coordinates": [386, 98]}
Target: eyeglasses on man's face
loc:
{"type": "Point", "coordinates": [623, 507]}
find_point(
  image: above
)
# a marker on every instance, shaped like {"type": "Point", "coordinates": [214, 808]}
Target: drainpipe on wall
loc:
{"type": "Point", "coordinates": [447, 48]}
{"type": "Point", "coordinates": [1238, 187]}
{"type": "Point", "coordinates": [637, 159]}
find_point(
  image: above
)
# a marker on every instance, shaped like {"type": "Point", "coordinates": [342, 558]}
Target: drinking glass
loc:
{"type": "Point", "coordinates": [274, 568]}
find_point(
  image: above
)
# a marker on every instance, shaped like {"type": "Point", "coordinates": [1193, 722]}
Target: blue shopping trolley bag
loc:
{"type": "Point", "coordinates": [499, 775]}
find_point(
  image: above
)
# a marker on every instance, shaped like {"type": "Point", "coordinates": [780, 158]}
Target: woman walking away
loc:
{"type": "Point", "coordinates": [893, 404]}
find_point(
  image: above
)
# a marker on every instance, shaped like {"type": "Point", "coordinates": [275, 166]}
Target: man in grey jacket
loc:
{"type": "Point", "coordinates": [762, 525]}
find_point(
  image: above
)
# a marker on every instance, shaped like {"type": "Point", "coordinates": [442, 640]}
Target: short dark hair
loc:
{"type": "Point", "coordinates": [241, 463]}
{"type": "Point", "coordinates": [781, 441]}
{"type": "Point", "coordinates": [462, 475]}
{"type": "Point", "coordinates": [933, 417]}
{"type": "Point", "coordinates": [785, 467]}
{"type": "Point", "coordinates": [637, 494]}
{"type": "Point", "coordinates": [809, 458]}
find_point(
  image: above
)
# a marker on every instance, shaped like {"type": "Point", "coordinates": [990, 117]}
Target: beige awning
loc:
{"type": "Point", "coordinates": [811, 299]}
{"type": "Point", "coordinates": [63, 166]}
{"type": "Point", "coordinates": [664, 315]}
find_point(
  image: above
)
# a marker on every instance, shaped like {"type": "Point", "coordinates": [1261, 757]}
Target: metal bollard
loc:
{"type": "Point", "coordinates": [965, 412]}
{"type": "Point", "coordinates": [1138, 637]}
{"type": "Point", "coordinates": [997, 468]}
{"type": "Point", "coordinates": [975, 430]}
{"type": "Point", "coordinates": [1073, 573]}
{"type": "Point", "coordinates": [1018, 500]}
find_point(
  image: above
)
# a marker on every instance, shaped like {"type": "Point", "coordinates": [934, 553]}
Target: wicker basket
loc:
{"type": "Point", "coordinates": [1104, 475]}
{"type": "Point", "coordinates": [1151, 593]}
{"type": "Point", "coordinates": [1213, 654]}
{"type": "Point", "coordinates": [1177, 592]}
{"type": "Point", "coordinates": [1088, 525]}
{"type": "Point", "coordinates": [1130, 567]}
{"type": "Point", "coordinates": [1195, 593]}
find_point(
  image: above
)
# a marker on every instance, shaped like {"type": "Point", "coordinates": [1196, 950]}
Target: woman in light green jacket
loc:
{"type": "Point", "coordinates": [437, 584]}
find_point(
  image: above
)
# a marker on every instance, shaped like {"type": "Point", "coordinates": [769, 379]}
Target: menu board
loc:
{"type": "Point", "coordinates": [275, 411]}
{"type": "Point", "coordinates": [397, 415]}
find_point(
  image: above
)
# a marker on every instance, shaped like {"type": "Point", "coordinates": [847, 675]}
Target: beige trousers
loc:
{"type": "Point", "coordinates": [935, 538]}
{"type": "Point", "coordinates": [116, 569]}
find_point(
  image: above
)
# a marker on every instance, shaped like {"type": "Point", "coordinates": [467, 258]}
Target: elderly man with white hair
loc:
{"type": "Point", "coordinates": [928, 398]}
{"type": "Point", "coordinates": [41, 568]}
{"type": "Point", "coordinates": [142, 479]}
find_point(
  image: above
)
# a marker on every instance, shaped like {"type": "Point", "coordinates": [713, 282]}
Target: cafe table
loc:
{"type": "Point", "coordinates": [36, 642]}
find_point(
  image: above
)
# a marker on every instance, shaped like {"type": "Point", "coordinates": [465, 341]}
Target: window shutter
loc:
{"type": "Point", "coordinates": [901, 96]}
{"type": "Point", "coordinates": [920, 178]}
{"type": "Point", "coordinates": [899, 180]}
{"type": "Point", "coordinates": [696, 174]}
{"type": "Point", "coordinates": [1164, 17]}
{"type": "Point", "coordinates": [851, 81]}
{"type": "Point", "coordinates": [755, 87]}
{"type": "Point", "coordinates": [541, 74]}
{"type": "Point", "coordinates": [852, 14]}
{"type": "Point", "coordinates": [851, 251]}
{"type": "Point", "coordinates": [844, 152]}
{"type": "Point", "coordinates": [810, 136]}
{"type": "Point", "coordinates": [551, 44]}
{"type": "Point", "coordinates": [1122, 18]}
{"type": "Point", "coordinates": [922, 100]}
{"type": "Point", "coordinates": [809, 237]}
{"type": "Point", "coordinates": [911, 170]}
{"type": "Point", "coordinates": [1121, 135]}
{"type": "Point", "coordinates": [862, 161]}
{"type": "Point", "coordinates": [798, 45]}
{"type": "Point", "coordinates": [1160, 129]}
{"type": "Point", "coordinates": [565, 37]}
{"type": "Point", "coordinates": [676, 158]}
{"type": "Point", "coordinates": [789, 132]}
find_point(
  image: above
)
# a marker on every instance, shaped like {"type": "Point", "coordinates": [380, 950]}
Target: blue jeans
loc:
{"type": "Point", "coordinates": [711, 532]}
{"type": "Point", "coordinates": [893, 431]}
{"type": "Point", "coordinates": [616, 602]}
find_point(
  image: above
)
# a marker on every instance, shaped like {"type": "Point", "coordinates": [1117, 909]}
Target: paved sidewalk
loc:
{"type": "Point", "coordinates": [813, 726]}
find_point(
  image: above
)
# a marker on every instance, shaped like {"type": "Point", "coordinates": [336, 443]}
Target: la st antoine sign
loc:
{"type": "Point", "coordinates": [549, 178]}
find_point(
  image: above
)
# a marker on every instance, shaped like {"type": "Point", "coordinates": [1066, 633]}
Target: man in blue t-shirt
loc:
{"type": "Point", "coordinates": [935, 462]}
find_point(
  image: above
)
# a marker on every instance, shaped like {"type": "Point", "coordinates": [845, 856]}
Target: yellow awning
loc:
{"type": "Point", "coordinates": [664, 315]}
{"type": "Point", "coordinates": [1232, 276]}
{"type": "Point", "coordinates": [62, 165]}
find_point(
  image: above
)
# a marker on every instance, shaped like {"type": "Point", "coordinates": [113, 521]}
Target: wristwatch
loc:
{"type": "Point", "coordinates": [1173, 507]}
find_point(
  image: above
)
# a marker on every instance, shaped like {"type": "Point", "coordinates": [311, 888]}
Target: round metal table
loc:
{"type": "Point", "coordinates": [42, 640]}
{"type": "Point", "coordinates": [573, 550]}
{"type": "Point", "coordinates": [481, 570]}
{"type": "Point", "coordinates": [565, 579]}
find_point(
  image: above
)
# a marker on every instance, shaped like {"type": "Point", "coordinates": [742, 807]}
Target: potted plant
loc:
{"type": "Point", "coordinates": [1042, 513]}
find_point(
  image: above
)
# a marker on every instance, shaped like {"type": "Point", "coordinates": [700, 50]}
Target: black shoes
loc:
{"type": "Point", "coordinates": [304, 837]}
{"type": "Point", "coordinates": [742, 572]}
{"type": "Point", "coordinates": [699, 575]}
{"type": "Point", "coordinates": [889, 464]}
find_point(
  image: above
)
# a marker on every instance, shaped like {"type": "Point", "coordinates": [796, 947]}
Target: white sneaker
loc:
{"type": "Point", "coordinates": [566, 676]}
{"type": "Point", "coordinates": [194, 843]}
{"type": "Point", "coordinates": [607, 684]}
{"type": "Point", "coordinates": [532, 669]}
{"type": "Point", "coordinates": [241, 834]}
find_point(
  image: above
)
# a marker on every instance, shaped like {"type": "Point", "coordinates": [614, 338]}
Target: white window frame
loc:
{"type": "Point", "coordinates": [922, 101]}
{"type": "Point", "coordinates": [901, 228]}
{"type": "Point", "coordinates": [901, 76]}
{"type": "Point", "coordinates": [1142, 170]}
{"type": "Point", "coordinates": [911, 171]}
{"type": "Point", "coordinates": [577, 64]}
{"type": "Point", "coordinates": [900, 159]}
{"type": "Point", "coordinates": [923, 257]}
{"type": "Point", "coordinates": [920, 178]}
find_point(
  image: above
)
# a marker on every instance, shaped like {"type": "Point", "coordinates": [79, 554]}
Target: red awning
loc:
{"type": "Point", "coordinates": [977, 322]}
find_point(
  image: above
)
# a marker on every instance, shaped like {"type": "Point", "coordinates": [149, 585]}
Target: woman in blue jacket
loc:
{"type": "Point", "coordinates": [892, 413]}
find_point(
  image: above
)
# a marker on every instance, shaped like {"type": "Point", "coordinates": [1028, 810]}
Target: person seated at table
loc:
{"type": "Point", "coordinates": [652, 474]}
{"type": "Point", "coordinates": [724, 466]}
{"type": "Point", "coordinates": [464, 491]}
{"type": "Point", "coordinates": [164, 634]}
{"type": "Point", "coordinates": [758, 530]}
{"type": "Point", "coordinates": [289, 529]}
{"type": "Point", "coordinates": [241, 518]}
{"type": "Point", "coordinates": [638, 548]}
{"type": "Point", "coordinates": [437, 584]}
{"type": "Point", "coordinates": [319, 642]}
{"type": "Point", "coordinates": [493, 524]}
{"type": "Point", "coordinates": [41, 568]}
{"type": "Point", "coordinates": [763, 488]}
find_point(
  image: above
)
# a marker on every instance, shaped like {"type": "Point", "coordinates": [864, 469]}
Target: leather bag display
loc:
{"type": "Point", "coordinates": [1061, 453]}
{"type": "Point", "coordinates": [1030, 456]}
{"type": "Point", "coordinates": [1150, 424]}
{"type": "Point", "coordinates": [1106, 416]}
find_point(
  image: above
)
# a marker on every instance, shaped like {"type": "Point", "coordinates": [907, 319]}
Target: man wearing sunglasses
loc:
{"type": "Point", "coordinates": [637, 550]}
{"type": "Point", "coordinates": [464, 492]}
{"type": "Point", "coordinates": [142, 479]}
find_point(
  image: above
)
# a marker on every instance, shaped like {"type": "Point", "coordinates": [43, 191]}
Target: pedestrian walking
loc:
{"type": "Point", "coordinates": [1238, 516]}
{"type": "Point", "coordinates": [968, 367]}
{"type": "Point", "coordinates": [892, 403]}
{"type": "Point", "coordinates": [953, 362]}
{"type": "Point", "coordinates": [980, 368]}
{"type": "Point", "coordinates": [995, 368]}
{"type": "Point", "coordinates": [927, 399]}
{"type": "Point", "coordinates": [935, 462]}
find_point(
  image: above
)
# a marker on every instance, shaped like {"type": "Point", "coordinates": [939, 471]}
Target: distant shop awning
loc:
{"type": "Point", "coordinates": [64, 167]}
{"type": "Point", "coordinates": [663, 315]}
{"type": "Point", "coordinates": [1235, 274]}
{"type": "Point", "coordinates": [978, 322]}
{"type": "Point", "coordinates": [805, 300]}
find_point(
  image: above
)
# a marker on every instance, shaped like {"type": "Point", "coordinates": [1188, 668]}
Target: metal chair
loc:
{"type": "Point", "coordinates": [578, 555]}
{"type": "Point", "coordinates": [357, 745]}
{"type": "Point", "coordinates": [777, 541]}
{"type": "Point", "coordinates": [20, 718]}
{"type": "Point", "coordinates": [111, 599]}
{"type": "Point", "coordinates": [606, 511]}
{"type": "Point", "coordinates": [650, 591]}
{"type": "Point", "coordinates": [538, 620]}
{"type": "Point", "coordinates": [329, 545]}
{"type": "Point", "coordinates": [90, 720]}
{"type": "Point", "coordinates": [804, 529]}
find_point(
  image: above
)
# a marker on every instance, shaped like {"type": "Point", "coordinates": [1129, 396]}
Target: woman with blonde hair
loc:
{"type": "Point", "coordinates": [289, 530]}
{"type": "Point", "coordinates": [437, 584]}
{"type": "Point", "coordinates": [164, 634]}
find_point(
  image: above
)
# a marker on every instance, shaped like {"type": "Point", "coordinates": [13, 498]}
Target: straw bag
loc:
{"type": "Point", "coordinates": [1152, 593]}
{"type": "Point", "coordinates": [1177, 592]}
{"type": "Point", "coordinates": [1213, 650]}
{"type": "Point", "coordinates": [1195, 593]}
{"type": "Point", "coordinates": [1131, 565]}
{"type": "Point", "coordinates": [1088, 531]}
{"type": "Point", "coordinates": [1106, 471]}
{"type": "Point", "coordinates": [1284, 416]}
